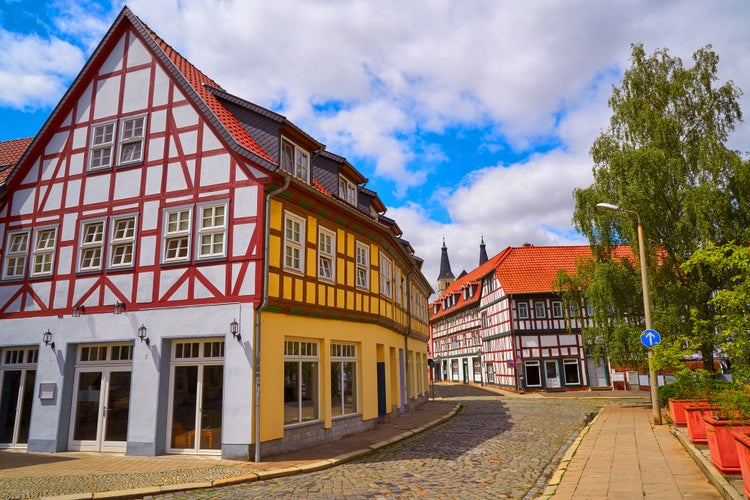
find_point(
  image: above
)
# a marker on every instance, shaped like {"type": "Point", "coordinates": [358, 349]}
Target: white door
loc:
{"type": "Point", "coordinates": [551, 374]}
{"type": "Point", "coordinates": [100, 409]}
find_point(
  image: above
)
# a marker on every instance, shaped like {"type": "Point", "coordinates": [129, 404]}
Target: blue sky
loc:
{"type": "Point", "coordinates": [469, 118]}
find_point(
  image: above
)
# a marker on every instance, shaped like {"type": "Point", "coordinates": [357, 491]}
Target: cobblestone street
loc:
{"type": "Point", "coordinates": [496, 447]}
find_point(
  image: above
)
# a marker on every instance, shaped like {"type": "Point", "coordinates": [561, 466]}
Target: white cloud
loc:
{"type": "Point", "coordinates": [34, 72]}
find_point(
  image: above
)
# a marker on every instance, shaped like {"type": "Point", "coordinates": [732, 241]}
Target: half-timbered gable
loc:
{"type": "Point", "coordinates": [154, 231]}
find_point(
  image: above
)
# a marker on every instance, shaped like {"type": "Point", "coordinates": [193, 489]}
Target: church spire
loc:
{"type": "Point", "coordinates": [445, 277]}
{"type": "Point", "coordinates": [482, 252]}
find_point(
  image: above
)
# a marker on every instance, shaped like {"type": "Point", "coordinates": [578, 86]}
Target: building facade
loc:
{"type": "Point", "coordinates": [186, 272]}
{"type": "Point", "coordinates": [502, 324]}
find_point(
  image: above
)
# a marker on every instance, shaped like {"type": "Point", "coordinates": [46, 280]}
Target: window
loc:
{"type": "Point", "coordinates": [131, 140]}
{"type": "Point", "coordinates": [489, 284]}
{"type": "Point", "coordinates": [122, 242]}
{"type": "Point", "coordinates": [572, 376]}
{"type": "Point", "coordinates": [347, 191]}
{"type": "Point", "coordinates": [301, 398]}
{"type": "Point", "coordinates": [574, 310]}
{"type": "Point", "coordinates": [92, 239]}
{"type": "Point", "coordinates": [326, 251]}
{"type": "Point", "coordinates": [386, 276]}
{"type": "Point", "coordinates": [485, 323]}
{"type": "Point", "coordinates": [363, 265]}
{"type": "Point", "coordinates": [343, 379]}
{"type": "Point", "coordinates": [294, 237]}
{"type": "Point", "coordinates": [102, 137]}
{"type": "Point", "coordinates": [295, 160]}
{"type": "Point", "coordinates": [177, 235]}
{"type": "Point", "coordinates": [212, 231]}
{"type": "Point", "coordinates": [533, 374]}
{"type": "Point", "coordinates": [398, 285]}
{"type": "Point", "coordinates": [15, 256]}
{"type": "Point", "coordinates": [557, 310]}
{"type": "Point", "coordinates": [523, 310]}
{"type": "Point", "coordinates": [540, 309]}
{"type": "Point", "coordinates": [44, 252]}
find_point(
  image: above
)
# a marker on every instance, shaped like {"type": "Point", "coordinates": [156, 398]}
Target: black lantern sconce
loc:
{"type": "Point", "coordinates": [118, 308]}
{"type": "Point", "coordinates": [234, 329]}
{"type": "Point", "coordinates": [78, 310]}
{"type": "Point", "coordinates": [143, 334]}
{"type": "Point", "coordinates": [47, 339]}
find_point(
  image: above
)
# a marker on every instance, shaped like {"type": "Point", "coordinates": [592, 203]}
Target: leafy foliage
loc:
{"type": "Point", "coordinates": [664, 158]}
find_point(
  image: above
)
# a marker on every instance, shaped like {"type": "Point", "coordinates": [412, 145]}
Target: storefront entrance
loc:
{"type": "Point", "coordinates": [101, 398]}
{"type": "Point", "coordinates": [17, 376]}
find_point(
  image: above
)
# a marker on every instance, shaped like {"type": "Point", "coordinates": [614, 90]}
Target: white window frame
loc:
{"type": "Point", "coordinates": [571, 361]}
{"type": "Point", "coordinates": [540, 309]}
{"type": "Point", "coordinates": [214, 234]}
{"type": "Point", "coordinates": [535, 363]}
{"type": "Point", "coordinates": [91, 246]}
{"type": "Point", "coordinates": [102, 145]}
{"type": "Point", "coordinates": [342, 354]}
{"type": "Point", "coordinates": [386, 276]}
{"type": "Point", "coordinates": [43, 252]}
{"type": "Point", "coordinates": [347, 190]}
{"type": "Point", "coordinates": [326, 254]}
{"type": "Point", "coordinates": [523, 310]}
{"type": "Point", "coordinates": [120, 240]}
{"type": "Point", "coordinates": [299, 162]}
{"type": "Point", "coordinates": [294, 243]}
{"type": "Point", "coordinates": [177, 234]}
{"type": "Point", "coordinates": [299, 352]}
{"type": "Point", "coordinates": [15, 253]}
{"type": "Point", "coordinates": [362, 265]}
{"type": "Point", "coordinates": [132, 140]}
{"type": "Point", "coordinates": [557, 309]}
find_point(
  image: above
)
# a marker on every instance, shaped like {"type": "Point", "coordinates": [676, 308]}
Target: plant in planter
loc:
{"type": "Point", "coordinates": [690, 388]}
{"type": "Point", "coordinates": [733, 416]}
{"type": "Point", "coordinates": [742, 441]}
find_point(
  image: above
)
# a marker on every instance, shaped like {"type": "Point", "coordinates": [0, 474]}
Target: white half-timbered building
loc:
{"type": "Point", "coordinates": [501, 324]}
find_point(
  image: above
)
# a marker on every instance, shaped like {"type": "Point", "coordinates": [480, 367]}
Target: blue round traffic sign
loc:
{"type": "Point", "coordinates": [650, 338]}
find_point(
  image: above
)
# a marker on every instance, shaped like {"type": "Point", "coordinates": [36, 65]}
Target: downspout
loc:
{"type": "Point", "coordinates": [263, 304]}
{"type": "Point", "coordinates": [406, 338]}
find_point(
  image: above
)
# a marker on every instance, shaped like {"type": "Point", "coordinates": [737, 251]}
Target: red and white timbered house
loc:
{"type": "Point", "coordinates": [132, 260]}
{"type": "Point", "coordinates": [502, 324]}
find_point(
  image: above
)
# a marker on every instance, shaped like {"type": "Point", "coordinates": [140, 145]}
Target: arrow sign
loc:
{"type": "Point", "coordinates": [650, 338]}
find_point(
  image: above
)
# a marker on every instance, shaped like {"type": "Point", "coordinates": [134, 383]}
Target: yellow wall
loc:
{"type": "Point", "coordinates": [373, 343]}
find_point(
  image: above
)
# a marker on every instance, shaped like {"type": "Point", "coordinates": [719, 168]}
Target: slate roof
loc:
{"type": "Point", "coordinates": [522, 270]}
{"type": "Point", "coordinates": [10, 153]}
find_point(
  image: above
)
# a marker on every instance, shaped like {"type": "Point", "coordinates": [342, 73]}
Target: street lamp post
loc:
{"type": "Point", "coordinates": [655, 406]}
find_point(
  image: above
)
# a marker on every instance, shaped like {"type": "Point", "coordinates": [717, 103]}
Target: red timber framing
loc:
{"type": "Point", "coordinates": [184, 163]}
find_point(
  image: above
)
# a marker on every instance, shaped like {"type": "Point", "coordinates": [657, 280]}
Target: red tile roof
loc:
{"type": "Point", "coordinates": [10, 153]}
{"type": "Point", "coordinates": [198, 81]}
{"type": "Point", "coordinates": [524, 270]}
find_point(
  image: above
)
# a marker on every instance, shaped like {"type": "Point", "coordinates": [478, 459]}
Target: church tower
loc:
{"type": "Point", "coordinates": [482, 252]}
{"type": "Point", "coordinates": [445, 278]}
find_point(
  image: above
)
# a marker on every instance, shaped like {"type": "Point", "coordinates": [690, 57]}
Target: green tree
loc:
{"type": "Point", "coordinates": [729, 265]}
{"type": "Point", "coordinates": [665, 157]}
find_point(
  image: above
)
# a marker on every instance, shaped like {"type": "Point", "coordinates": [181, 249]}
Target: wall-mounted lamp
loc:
{"type": "Point", "coordinates": [47, 339]}
{"type": "Point", "coordinates": [234, 329]}
{"type": "Point", "coordinates": [118, 308]}
{"type": "Point", "coordinates": [78, 310]}
{"type": "Point", "coordinates": [143, 334]}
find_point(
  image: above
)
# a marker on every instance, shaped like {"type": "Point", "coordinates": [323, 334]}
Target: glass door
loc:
{"type": "Point", "coordinates": [100, 410]}
{"type": "Point", "coordinates": [197, 408]}
{"type": "Point", "coordinates": [17, 378]}
{"type": "Point", "coordinates": [551, 374]}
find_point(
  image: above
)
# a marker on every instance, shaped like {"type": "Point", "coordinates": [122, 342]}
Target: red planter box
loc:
{"type": "Point", "coordinates": [695, 424]}
{"type": "Point", "coordinates": [677, 409]}
{"type": "Point", "coordinates": [742, 441]}
{"type": "Point", "coordinates": [721, 443]}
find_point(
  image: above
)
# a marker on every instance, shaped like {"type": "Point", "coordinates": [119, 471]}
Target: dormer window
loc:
{"type": "Point", "coordinates": [347, 190]}
{"type": "Point", "coordinates": [295, 160]}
